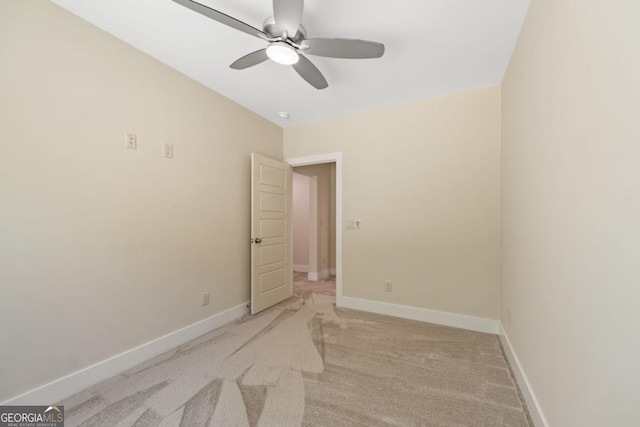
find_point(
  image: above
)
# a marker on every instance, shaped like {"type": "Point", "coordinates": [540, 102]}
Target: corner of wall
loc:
{"type": "Point", "coordinates": [535, 410]}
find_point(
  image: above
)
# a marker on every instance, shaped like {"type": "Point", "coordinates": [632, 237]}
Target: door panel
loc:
{"type": "Point", "coordinates": [272, 227]}
{"type": "Point", "coordinates": [272, 176]}
{"type": "Point", "coordinates": [271, 255]}
{"type": "Point", "coordinates": [270, 202]}
{"type": "Point", "coordinates": [271, 274]}
{"type": "Point", "coordinates": [272, 280]}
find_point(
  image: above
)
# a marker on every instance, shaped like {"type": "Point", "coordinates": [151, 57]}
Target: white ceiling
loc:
{"type": "Point", "coordinates": [433, 47]}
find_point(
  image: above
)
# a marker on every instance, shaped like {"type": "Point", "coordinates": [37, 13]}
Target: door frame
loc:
{"type": "Point", "coordinates": [316, 160]}
{"type": "Point", "coordinates": [312, 230]}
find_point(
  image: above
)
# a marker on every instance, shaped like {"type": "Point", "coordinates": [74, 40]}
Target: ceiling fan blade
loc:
{"type": "Point", "coordinates": [254, 58]}
{"type": "Point", "coordinates": [221, 17]}
{"type": "Point", "coordinates": [310, 73]}
{"type": "Point", "coordinates": [344, 48]}
{"type": "Point", "coordinates": [288, 14]}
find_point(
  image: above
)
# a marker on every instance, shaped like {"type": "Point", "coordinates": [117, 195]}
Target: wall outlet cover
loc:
{"type": "Point", "coordinates": [131, 141]}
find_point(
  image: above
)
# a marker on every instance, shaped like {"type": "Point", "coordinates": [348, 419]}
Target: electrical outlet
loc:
{"type": "Point", "coordinates": [131, 141]}
{"type": "Point", "coordinates": [388, 285]}
{"type": "Point", "coordinates": [205, 299]}
{"type": "Point", "coordinates": [167, 150]}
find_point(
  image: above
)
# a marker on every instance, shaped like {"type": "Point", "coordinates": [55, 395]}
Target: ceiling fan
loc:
{"type": "Point", "coordinates": [287, 40]}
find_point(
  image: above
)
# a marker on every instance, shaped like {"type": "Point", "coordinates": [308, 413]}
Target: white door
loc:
{"type": "Point", "coordinates": [271, 193]}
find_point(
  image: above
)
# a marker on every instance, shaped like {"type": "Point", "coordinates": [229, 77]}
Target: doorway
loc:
{"type": "Point", "coordinates": [317, 215]}
{"type": "Point", "coordinates": [313, 218]}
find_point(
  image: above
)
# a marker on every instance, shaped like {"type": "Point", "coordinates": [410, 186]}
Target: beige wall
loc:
{"type": "Point", "coordinates": [104, 248]}
{"type": "Point", "coordinates": [300, 218]}
{"type": "Point", "coordinates": [571, 209]}
{"type": "Point", "coordinates": [424, 178]}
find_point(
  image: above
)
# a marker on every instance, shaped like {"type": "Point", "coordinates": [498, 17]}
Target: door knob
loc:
{"type": "Point", "coordinates": [258, 240]}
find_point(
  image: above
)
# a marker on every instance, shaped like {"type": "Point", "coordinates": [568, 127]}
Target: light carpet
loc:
{"type": "Point", "coordinates": [306, 363]}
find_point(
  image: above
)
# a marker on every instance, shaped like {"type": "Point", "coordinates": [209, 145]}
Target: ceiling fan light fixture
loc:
{"type": "Point", "coordinates": [282, 53]}
{"type": "Point", "coordinates": [287, 37]}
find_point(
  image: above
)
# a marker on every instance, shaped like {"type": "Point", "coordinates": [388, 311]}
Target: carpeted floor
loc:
{"type": "Point", "coordinates": [303, 288]}
{"type": "Point", "coordinates": [307, 363]}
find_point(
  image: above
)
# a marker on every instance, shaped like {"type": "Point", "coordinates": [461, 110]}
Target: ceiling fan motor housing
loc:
{"type": "Point", "coordinates": [272, 30]}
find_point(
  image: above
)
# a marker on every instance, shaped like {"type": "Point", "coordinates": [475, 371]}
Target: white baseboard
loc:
{"type": "Point", "coordinates": [332, 271]}
{"type": "Point", "coordinates": [301, 268]}
{"type": "Point", "coordinates": [75, 382]}
{"type": "Point", "coordinates": [462, 321]}
{"type": "Point", "coordinates": [537, 416]}
{"type": "Point", "coordinates": [321, 275]}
